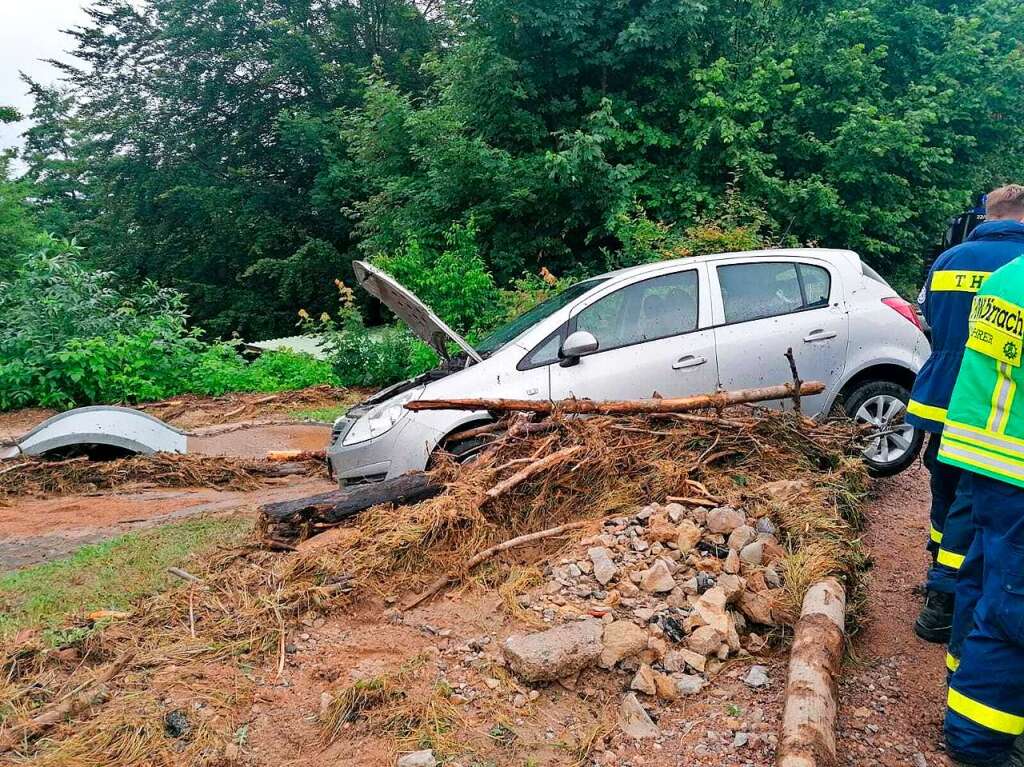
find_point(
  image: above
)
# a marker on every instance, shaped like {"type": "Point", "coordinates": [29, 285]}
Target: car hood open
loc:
{"type": "Point", "coordinates": [410, 310]}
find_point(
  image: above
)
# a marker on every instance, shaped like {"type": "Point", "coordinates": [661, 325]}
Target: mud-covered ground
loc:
{"type": "Point", "coordinates": [893, 692]}
{"type": "Point", "coordinates": [34, 530]}
{"type": "Point", "coordinates": [891, 695]}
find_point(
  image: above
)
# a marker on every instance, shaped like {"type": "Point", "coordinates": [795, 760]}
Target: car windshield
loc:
{"type": "Point", "coordinates": [531, 317]}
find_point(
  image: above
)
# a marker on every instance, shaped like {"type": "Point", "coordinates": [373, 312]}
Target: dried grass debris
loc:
{"type": "Point", "coordinates": [23, 477]}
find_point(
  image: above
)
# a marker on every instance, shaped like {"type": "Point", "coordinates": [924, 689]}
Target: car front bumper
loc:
{"type": "Point", "coordinates": [403, 448]}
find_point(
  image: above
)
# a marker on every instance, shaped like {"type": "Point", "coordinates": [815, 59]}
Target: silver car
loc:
{"type": "Point", "coordinates": [673, 328]}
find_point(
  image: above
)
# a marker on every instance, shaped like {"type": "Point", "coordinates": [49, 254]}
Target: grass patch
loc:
{"type": "Point", "coordinates": [322, 414]}
{"type": "Point", "coordinates": [108, 575]}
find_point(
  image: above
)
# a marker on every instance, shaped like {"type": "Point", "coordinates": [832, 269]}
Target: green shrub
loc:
{"type": "Point", "coordinates": [454, 282]}
{"type": "Point", "coordinates": [361, 357]}
{"type": "Point", "coordinates": [219, 369]}
{"type": "Point", "coordinates": [70, 336]}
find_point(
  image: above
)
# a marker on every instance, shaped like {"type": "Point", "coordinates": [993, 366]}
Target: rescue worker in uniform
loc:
{"type": "Point", "coordinates": [945, 302]}
{"type": "Point", "coordinates": [984, 436]}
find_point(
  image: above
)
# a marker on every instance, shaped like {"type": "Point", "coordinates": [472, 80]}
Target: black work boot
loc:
{"type": "Point", "coordinates": [1017, 755]}
{"type": "Point", "coordinates": [935, 622]}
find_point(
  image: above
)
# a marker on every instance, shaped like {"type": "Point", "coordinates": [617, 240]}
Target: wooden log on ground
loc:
{"type": "Point", "coordinates": [717, 400]}
{"type": "Point", "coordinates": [808, 737]}
{"type": "Point", "coordinates": [337, 505]}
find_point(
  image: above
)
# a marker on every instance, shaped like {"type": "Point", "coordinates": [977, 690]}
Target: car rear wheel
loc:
{"type": "Point", "coordinates": [892, 444]}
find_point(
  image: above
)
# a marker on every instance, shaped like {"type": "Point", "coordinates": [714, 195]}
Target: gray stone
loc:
{"type": "Point", "coordinates": [688, 684]}
{"type": "Point", "coordinates": [757, 676]}
{"type": "Point", "coordinates": [724, 520]}
{"type": "Point", "coordinates": [634, 721]}
{"type": "Point", "coordinates": [675, 511]}
{"type": "Point", "coordinates": [658, 579]}
{"type": "Point", "coordinates": [753, 553]}
{"type": "Point", "coordinates": [556, 653]}
{"type": "Point", "coordinates": [604, 568]}
{"type": "Point", "coordinates": [418, 759]}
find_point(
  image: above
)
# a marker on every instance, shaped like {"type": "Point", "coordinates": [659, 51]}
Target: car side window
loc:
{"type": "Point", "coordinates": [756, 291]}
{"type": "Point", "coordinates": [545, 352]}
{"type": "Point", "coordinates": [644, 311]}
{"type": "Point", "coordinates": [817, 284]}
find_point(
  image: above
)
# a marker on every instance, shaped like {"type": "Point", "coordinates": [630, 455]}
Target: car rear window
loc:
{"type": "Point", "coordinates": [755, 291]}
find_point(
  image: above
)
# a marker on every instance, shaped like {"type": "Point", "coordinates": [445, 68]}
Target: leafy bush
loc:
{"type": "Point", "coordinates": [219, 369]}
{"type": "Point", "coordinates": [69, 336]}
{"type": "Point", "coordinates": [361, 357]}
{"type": "Point", "coordinates": [454, 282]}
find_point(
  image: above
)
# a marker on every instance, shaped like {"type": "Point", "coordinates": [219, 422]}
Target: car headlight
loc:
{"type": "Point", "coordinates": [381, 419]}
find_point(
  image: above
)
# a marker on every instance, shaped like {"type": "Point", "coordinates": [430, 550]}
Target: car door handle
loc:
{"type": "Point", "coordinates": [689, 361]}
{"type": "Point", "coordinates": [820, 335]}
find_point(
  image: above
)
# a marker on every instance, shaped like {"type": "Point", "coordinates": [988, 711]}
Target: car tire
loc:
{"type": "Point", "coordinates": [879, 403]}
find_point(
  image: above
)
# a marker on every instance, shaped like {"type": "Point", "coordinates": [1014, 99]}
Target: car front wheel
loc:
{"type": "Point", "coordinates": [892, 444]}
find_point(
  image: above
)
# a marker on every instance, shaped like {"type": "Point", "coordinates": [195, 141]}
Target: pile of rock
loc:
{"type": "Point", "coordinates": [666, 595]}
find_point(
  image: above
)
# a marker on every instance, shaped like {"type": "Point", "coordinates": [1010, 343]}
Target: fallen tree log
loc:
{"type": "Point", "coordinates": [717, 401]}
{"type": "Point", "coordinates": [808, 737]}
{"type": "Point", "coordinates": [337, 505]}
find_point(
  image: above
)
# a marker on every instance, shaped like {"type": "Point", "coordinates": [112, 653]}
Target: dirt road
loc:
{"type": "Point", "coordinates": [34, 530]}
{"type": "Point", "coordinates": [893, 693]}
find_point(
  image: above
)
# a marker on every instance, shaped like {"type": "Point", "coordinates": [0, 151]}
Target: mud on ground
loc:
{"type": "Point", "coordinates": [34, 530]}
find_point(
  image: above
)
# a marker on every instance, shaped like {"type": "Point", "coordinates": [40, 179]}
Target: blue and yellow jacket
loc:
{"type": "Point", "coordinates": [946, 304]}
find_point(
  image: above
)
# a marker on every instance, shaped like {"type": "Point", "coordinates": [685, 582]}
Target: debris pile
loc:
{"type": "Point", "coordinates": [659, 547]}
{"type": "Point", "coordinates": [675, 590]}
{"type": "Point", "coordinates": [27, 476]}
{"type": "Point", "coordinates": [540, 479]}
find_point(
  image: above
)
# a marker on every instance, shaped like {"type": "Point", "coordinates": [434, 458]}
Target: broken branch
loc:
{"type": "Point", "coordinates": [534, 468]}
{"type": "Point", "coordinates": [486, 554]}
{"type": "Point", "coordinates": [717, 400]}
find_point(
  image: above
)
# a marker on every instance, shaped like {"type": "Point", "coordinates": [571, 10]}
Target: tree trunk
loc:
{"type": "Point", "coordinates": [809, 717]}
{"type": "Point", "coordinates": [337, 505]}
{"type": "Point", "coordinates": [717, 400]}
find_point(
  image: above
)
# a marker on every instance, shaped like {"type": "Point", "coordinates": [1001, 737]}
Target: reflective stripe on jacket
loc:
{"type": "Point", "coordinates": [955, 278]}
{"type": "Point", "coordinates": [984, 429]}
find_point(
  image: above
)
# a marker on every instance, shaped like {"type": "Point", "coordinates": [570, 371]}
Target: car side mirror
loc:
{"type": "Point", "coordinates": [577, 345]}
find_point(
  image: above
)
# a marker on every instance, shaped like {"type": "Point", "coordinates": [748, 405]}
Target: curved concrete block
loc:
{"type": "Point", "coordinates": [104, 425]}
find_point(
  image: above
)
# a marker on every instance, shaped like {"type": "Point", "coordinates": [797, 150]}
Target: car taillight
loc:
{"type": "Point", "coordinates": [905, 308]}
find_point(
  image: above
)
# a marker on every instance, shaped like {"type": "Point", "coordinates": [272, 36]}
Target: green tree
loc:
{"type": "Point", "coordinates": [18, 228]}
{"type": "Point", "coordinates": [203, 126]}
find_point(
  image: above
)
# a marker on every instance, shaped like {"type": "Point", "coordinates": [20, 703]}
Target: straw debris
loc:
{"type": "Point", "coordinates": [20, 477]}
{"type": "Point", "coordinates": [248, 600]}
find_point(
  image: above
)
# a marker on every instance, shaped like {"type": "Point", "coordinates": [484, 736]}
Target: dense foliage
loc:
{"type": "Point", "coordinates": [453, 281]}
{"type": "Point", "coordinates": [70, 336]}
{"type": "Point", "coordinates": [245, 151]}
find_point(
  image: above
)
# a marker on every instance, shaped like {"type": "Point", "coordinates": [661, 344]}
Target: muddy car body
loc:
{"type": "Point", "coordinates": [671, 328]}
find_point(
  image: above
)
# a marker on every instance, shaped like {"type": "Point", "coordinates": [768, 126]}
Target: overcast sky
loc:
{"type": "Point", "coordinates": [29, 32]}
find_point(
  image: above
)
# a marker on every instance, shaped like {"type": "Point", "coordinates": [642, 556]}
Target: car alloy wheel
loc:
{"type": "Point", "coordinates": [890, 438]}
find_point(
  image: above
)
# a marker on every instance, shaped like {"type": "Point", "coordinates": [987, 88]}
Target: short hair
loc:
{"type": "Point", "coordinates": [1005, 202]}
